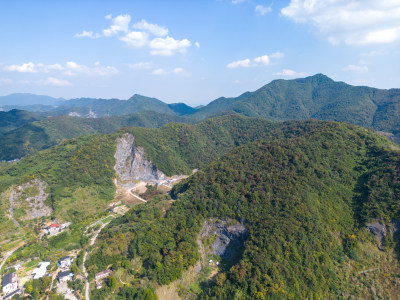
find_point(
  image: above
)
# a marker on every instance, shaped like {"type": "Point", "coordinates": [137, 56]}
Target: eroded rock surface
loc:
{"type": "Point", "coordinates": [132, 164]}
{"type": "Point", "coordinates": [229, 237]}
{"type": "Point", "coordinates": [33, 205]}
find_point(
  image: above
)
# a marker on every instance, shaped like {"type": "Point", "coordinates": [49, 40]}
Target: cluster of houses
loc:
{"type": "Point", "coordinates": [10, 284]}
{"type": "Point", "coordinates": [64, 263]}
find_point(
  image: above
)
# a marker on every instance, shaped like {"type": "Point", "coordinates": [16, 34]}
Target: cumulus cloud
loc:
{"type": "Point", "coordinates": [354, 22]}
{"type": "Point", "coordinates": [152, 28]}
{"type": "Point", "coordinates": [263, 10]}
{"type": "Point", "coordinates": [141, 66]}
{"type": "Point", "coordinates": [74, 69]}
{"type": "Point", "coordinates": [29, 67]}
{"type": "Point", "coordinates": [135, 39]}
{"type": "Point", "coordinates": [149, 35]}
{"type": "Point", "coordinates": [168, 46]}
{"type": "Point", "coordinates": [56, 82]}
{"type": "Point", "coordinates": [356, 69]}
{"type": "Point", "coordinates": [263, 60]}
{"type": "Point", "coordinates": [290, 73]}
{"type": "Point", "coordinates": [245, 63]}
{"type": "Point", "coordinates": [119, 23]}
{"type": "Point", "coordinates": [88, 34]}
{"type": "Point", "coordinates": [176, 71]}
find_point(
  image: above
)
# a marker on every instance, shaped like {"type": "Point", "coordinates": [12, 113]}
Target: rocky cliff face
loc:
{"type": "Point", "coordinates": [228, 237]}
{"type": "Point", "coordinates": [30, 197]}
{"type": "Point", "coordinates": [132, 164]}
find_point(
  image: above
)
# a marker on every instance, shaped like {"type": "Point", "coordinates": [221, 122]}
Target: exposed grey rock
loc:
{"type": "Point", "coordinates": [36, 203]}
{"type": "Point", "coordinates": [378, 230]}
{"type": "Point", "coordinates": [229, 238]}
{"type": "Point", "coordinates": [132, 164]}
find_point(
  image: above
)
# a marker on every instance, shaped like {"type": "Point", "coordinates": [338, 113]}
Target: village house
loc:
{"type": "Point", "coordinates": [64, 276]}
{"type": "Point", "coordinates": [41, 270]}
{"type": "Point", "coordinates": [102, 274]}
{"type": "Point", "coordinates": [10, 283]}
{"type": "Point", "coordinates": [65, 262]}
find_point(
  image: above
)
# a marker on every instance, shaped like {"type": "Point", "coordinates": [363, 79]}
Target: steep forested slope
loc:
{"type": "Point", "coordinates": [305, 194]}
{"type": "Point", "coordinates": [15, 118]}
{"type": "Point", "coordinates": [317, 97]}
{"type": "Point", "coordinates": [51, 131]}
{"type": "Point", "coordinates": [80, 171]}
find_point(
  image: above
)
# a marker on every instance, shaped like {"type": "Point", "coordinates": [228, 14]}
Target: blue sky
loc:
{"type": "Point", "coordinates": [193, 51]}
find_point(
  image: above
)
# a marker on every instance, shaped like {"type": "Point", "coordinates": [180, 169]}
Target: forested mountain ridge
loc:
{"type": "Point", "coordinates": [15, 118]}
{"type": "Point", "coordinates": [317, 97]}
{"type": "Point", "coordinates": [50, 131]}
{"type": "Point", "coordinates": [305, 195]}
{"type": "Point", "coordinates": [85, 165]}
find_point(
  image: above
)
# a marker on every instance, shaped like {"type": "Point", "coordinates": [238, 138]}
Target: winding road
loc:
{"type": "Point", "coordinates": [136, 196]}
{"type": "Point", "coordinates": [92, 241]}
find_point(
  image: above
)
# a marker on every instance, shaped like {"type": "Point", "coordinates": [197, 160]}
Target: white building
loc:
{"type": "Point", "coordinates": [10, 283]}
{"type": "Point", "coordinates": [65, 262]}
{"type": "Point", "coordinates": [41, 270]}
{"type": "Point", "coordinates": [64, 276]}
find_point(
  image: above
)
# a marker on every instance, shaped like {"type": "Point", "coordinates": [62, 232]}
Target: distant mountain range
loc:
{"type": "Point", "coordinates": [91, 106]}
{"type": "Point", "coordinates": [314, 97]}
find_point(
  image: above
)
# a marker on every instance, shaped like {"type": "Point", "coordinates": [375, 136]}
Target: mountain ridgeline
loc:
{"type": "Point", "coordinates": [316, 97]}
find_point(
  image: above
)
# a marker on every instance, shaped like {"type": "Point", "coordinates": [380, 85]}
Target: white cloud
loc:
{"type": "Point", "coordinates": [4, 81]}
{"type": "Point", "coordinates": [74, 69]}
{"type": "Point", "coordinates": [290, 73]}
{"type": "Point", "coordinates": [176, 71]}
{"type": "Point", "coordinates": [237, 1]}
{"type": "Point", "coordinates": [56, 82]}
{"type": "Point", "coordinates": [135, 39]}
{"type": "Point", "coordinates": [88, 34]}
{"type": "Point", "coordinates": [29, 67]}
{"type": "Point", "coordinates": [356, 69]}
{"type": "Point", "coordinates": [168, 46]}
{"type": "Point", "coordinates": [277, 55]}
{"type": "Point", "coordinates": [263, 60]}
{"type": "Point", "coordinates": [70, 69]}
{"type": "Point", "coordinates": [119, 24]}
{"type": "Point", "coordinates": [152, 28]}
{"type": "Point", "coordinates": [197, 44]}
{"type": "Point", "coordinates": [245, 63]}
{"type": "Point", "coordinates": [358, 22]}
{"type": "Point", "coordinates": [149, 35]}
{"type": "Point", "coordinates": [141, 66]}
{"type": "Point", "coordinates": [263, 10]}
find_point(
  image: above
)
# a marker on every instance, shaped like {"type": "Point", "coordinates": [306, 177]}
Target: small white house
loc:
{"type": "Point", "coordinates": [65, 262]}
{"type": "Point", "coordinates": [64, 276]}
{"type": "Point", "coordinates": [10, 283]}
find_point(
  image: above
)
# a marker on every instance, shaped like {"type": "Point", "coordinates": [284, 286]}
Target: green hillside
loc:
{"type": "Point", "coordinates": [13, 119]}
{"type": "Point", "coordinates": [317, 97]}
{"type": "Point", "coordinates": [80, 171]}
{"type": "Point", "coordinates": [305, 196]}
{"type": "Point", "coordinates": [51, 131]}
{"type": "Point", "coordinates": [112, 107]}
